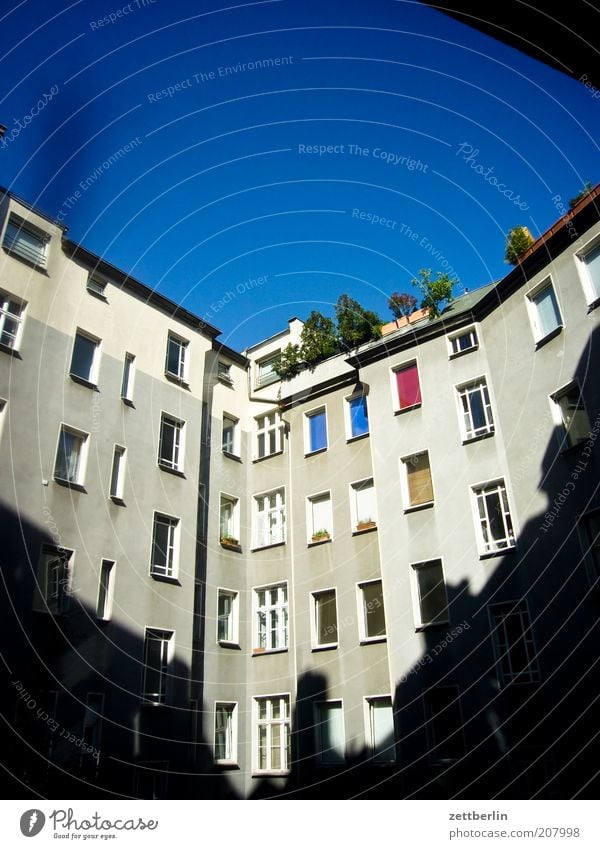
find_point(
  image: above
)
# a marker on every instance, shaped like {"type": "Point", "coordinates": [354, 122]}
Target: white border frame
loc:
{"type": "Point", "coordinates": [369, 742]}
{"type": "Point", "coordinates": [316, 646]}
{"type": "Point", "coordinates": [348, 418]}
{"type": "Point", "coordinates": [537, 677]}
{"type": "Point", "coordinates": [180, 467]}
{"type": "Point", "coordinates": [308, 501]}
{"type": "Point", "coordinates": [92, 380]}
{"type": "Point", "coordinates": [463, 384]}
{"type": "Point", "coordinates": [308, 451]}
{"type": "Point", "coordinates": [256, 771]}
{"type": "Point", "coordinates": [256, 649]}
{"type": "Point", "coordinates": [254, 542]}
{"type": "Point", "coordinates": [353, 511]}
{"type": "Point", "coordinates": [233, 761]}
{"type": "Point", "coordinates": [415, 595]}
{"type": "Point", "coordinates": [407, 506]}
{"type": "Point", "coordinates": [317, 736]}
{"type": "Point", "coordinates": [455, 334]}
{"type": "Point", "coordinates": [476, 520]}
{"type": "Point", "coordinates": [362, 633]}
{"type": "Point", "coordinates": [83, 457]}
{"type": "Point", "coordinates": [579, 256]}
{"type": "Point", "coordinates": [235, 613]}
{"type": "Point", "coordinates": [170, 658]}
{"type": "Point", "coordinates": [532, 310]}
{"type": "Point", "coordinates": [6, 295]}
{"type": "Point", "coordinates": [110, 595]}
{"type": "Point", "coordinates": [176, 546]}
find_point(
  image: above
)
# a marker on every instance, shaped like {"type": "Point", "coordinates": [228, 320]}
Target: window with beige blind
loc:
{"type": "Point", "coordinates": [418, 485]}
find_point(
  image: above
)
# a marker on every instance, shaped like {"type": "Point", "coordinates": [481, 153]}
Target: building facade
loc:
{"type": "Point", "coordinates": [377, 578]}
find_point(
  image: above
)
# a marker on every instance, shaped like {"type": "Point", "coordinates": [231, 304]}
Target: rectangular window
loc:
{"type": "Point", "coordinates": [463, 342]}
{"type": "Point", "coordinates": [590, 527]}
{"type": "Point", "coordinates": [225, 732]}
{"type": "Point", "coordinates": [590, 273]}
{"type": "Point", "coordinates": [273, 748]}
{"type": "Point", "coordinates": [11, 321]}
{"type": "Point", "coordinates": [269, 518]}
{"type": "Point", "coordinates": [408, 387]}
{"type": "Point", "coordinates": [315, 431]}
{"type": "Point", "coordinates": [106, 590]}
{"type": "Point", "coordinates": [357, 416]}
{"type": "Point", "coordinates": [571, 415]}
{"type": "Point", "coordinates": [53, 589]}
{"type": "Point", "coordinates": [224, 372]}
{"type": "Point", "coordinates": [128, 378]}
{"type": "Point", "coordinates": [171, 443]}
{"type": "Point", "coordinates": [230, 441]}
{"type": "Point", "coordinates": [165, 543]}
{"type": "Point", "coordinates": [158, 650]}
{"type": "Point", "coordinates": [96, 286]}
{"type": "Point", "coordinates": [85, 357]}
{"type": "Point", "coordinates": [266, 373]}
{"type": "Point", "coordinates": [418, 486]}
{"type": "Point", "coordinates": [92, 721]}
{"type": "Point", "coordinates": [151, 779]}
{"type": "Point", "coordinates": [513, 643]}
{"type": "Point", "coordinates": [544, 310]}
{"type": "Point", "coordinates": [494, 525]}
{"type": "Point", "coordinates": [271, 618]}
{"type": "Point", "coordinates": [444, 724]}
{"type": "Point", "coordinates": [371, 611]}
{"type": "Point", "coordinates": [380, 729]}
{"type": "Point", "coordinates": [269, 433]}
{"type": "Point", "coordinates": [117, 475]}
{"type": "Point", "coordinates": [329, 732]}
{"type": "Point", "coordinates": [430, 603]}
{"type": "Point", "coordinates": [363, 507]}
{"type": "Point", "coordinates": [176, 361]}
{"type": "Point", "coordinates": [26, 241]}
{"type": "Point", "coordinates": [229, 520]}
{"type": "Point", "coordinates": [227, 616]}
{"type": "Point", "coordinates": [476, 410]}
{"type": "Point", "coordinates": [71, 455]}
{"type": "Point", "coordinates": [319, 517]}
{"type": "Point", "coordinates": [325, 620]}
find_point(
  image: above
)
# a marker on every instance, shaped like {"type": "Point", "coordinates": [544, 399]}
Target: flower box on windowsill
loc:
{"type": "Point", "coordinates": [365, 526]}
{"type": "Point", "coordinates": [230, 543]}
{"type": "Point", "coordinates": [320, 536]}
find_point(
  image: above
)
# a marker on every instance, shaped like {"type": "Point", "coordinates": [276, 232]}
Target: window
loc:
{"type": "Point", "coordinates": [371, 611]}
{"type": "Point", "coordinates": [165, 542]}
{"type": "Point", "coordinates": [128, 378]}
{"type": "Point", "coordinates": [266, 370]}
{"type": "Point", "coordinates": [544, 311]}
{"type": "Point", "coordinates": [590, 527]}
{"type": "Point", "coordinates": [225, 732]}
{"type": "Point", "coordinates": [71, 456]}
{"type": "Point", "coordinates": [319, 517]}
{"type": "Point", "coordinates": [315, 431]}
{"type": "Point", "coordinates": [329, 731]}
{"type": "Point", "coordinates": [224, 372]}
{"type": "Point", "coordinates": [26, 241]}
{"type": "Point", "coordinates": [171, 443]}
{"type": "Point", "coordinates": [271, 618]}
{"type": "Point", "coordinates": [418, 486]}
{"type": "Point", "coordinates": [474, 402]}
{"type": "Point", "coordinates": [463, 342]}
{"type": "Point", "coordinates": [380, 729]}
{"type": "Point", "coordinates": [589, 263]}
{"type": "Point", "coordinates": [325, 620]}
{"type": "Point", "coordinates": [92, 721]}
{"type": "Point", "coordinates": [231, 436]}
{"type": "Point", "coordinates": [273, 749]}
{"type": "Point", "coordinates": [513, 643]}
{"type": "Point", "coordinates": [357, 417]}
{"type": "Point", "coordinates": [363, 507]}
{"type": "Point", "coordinates": [430, 604]}
{"type": "Point", "coordinates": [494, 523]}
{"type": "Point", "coordinates": [227, 616]}
{"type": "Point", "coordinates": [151, 779]}
{"type": "Point", "coordinates": [269, 432]}
{"type": "Point", "coordinates": [269, 518]}
{"type": "Point", "coordinates": [570, 414]}
{"type": "Point", "coordinates": [444, 724]}
{"type": "Point", "coordinates": [229, 528]}
{"type": "Point", "coordinates": [106, 590]}
{"type": "Point", "coordinates": [408, 388]}
{"type": "Point", "coordinates": [117, 475]}
{"type": "Point", "coordinates": [11, 321]}
{"type": "Point", "coordinates": [96, 286]}
{"type": "Point", "coordinates": [158, 651]}
{"type": "Point", "coordinates": [84, 360]}
{"type": "Point", "coordinates": [54, 580]}
{"type": "Point", "coordinates": [176, 362]}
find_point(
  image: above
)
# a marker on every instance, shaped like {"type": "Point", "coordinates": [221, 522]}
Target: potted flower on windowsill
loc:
{"type": "Point", "coordinates": [322, 535]}
{"type": "Point", "coordinates": [230, 542]}
{"type": "Point", "coordinates": [365, 524]}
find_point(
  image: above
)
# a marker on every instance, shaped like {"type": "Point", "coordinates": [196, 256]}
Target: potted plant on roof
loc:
{"type": "Point", "coordinates": [322, 535]}
{"type": "Point", "coordinates": [365, 524]}
{"type": "Point", "coordinates": [230, 542]}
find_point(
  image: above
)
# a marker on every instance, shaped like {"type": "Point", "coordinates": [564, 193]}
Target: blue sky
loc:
{"type": "Point", "coordinates": [253, 161]}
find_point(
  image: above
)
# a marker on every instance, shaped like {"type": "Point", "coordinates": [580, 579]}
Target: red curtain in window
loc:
{"type": "Point", "coordinates": [409, 390]}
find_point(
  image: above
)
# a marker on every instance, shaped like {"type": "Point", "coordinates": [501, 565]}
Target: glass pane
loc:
{"type": "Point", "coordinates": [331, 733]}
{"type": "Point", "coordinates": [276, 747]}
{"type": "Point", "coordinates": [575, 417]}
{"type": "Point", "coordinates": [477, 410]}
{"type": "Point", "coordinates": [173, 356]}
{"type": "Point", "coordinates": [326, 618]}
{"type": "Point", "coordinates": [495, 516]}
{"type": "Point", "coordinates": [262, 747]}
{"type": "Point", "coordinates": [592, 261]}
{"type": "Point", "coordinates": [317, 431]}
{"type": "Point", "coordinates": [420, 489]}
{"type": "Point", "coordinates": [409, 390]}
{"type": "Point", "coordinates": [382, 730]}
{"type": "Point", "coordinates": [83, 357]}
{"type": "Point", "coordinates": [359, 420]}
{"type": "Point", "coordinates": [373, 610]}
{"type": "Point", "coordinates": [161, 543]}
{"type": "Point", "coordinates": [548, 313]}
{"type": "Point", "coordinates": [432, 592]}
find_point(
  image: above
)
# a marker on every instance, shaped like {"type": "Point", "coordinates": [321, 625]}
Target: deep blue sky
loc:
{"type": "Point", "coordinates": [217, 191]}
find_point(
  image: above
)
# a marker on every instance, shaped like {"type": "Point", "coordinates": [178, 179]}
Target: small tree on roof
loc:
{"type": "Point", "coordinates": [436, 292]}
{"type": "Point", "coordinates": [517, 241]}
{"type": "Point", "coordinates": [401, 304]}
{"type": "Point", "coordinates": [355, 324]}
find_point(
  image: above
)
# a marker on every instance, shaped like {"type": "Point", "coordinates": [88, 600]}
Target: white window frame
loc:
{"type": "Point", "coordinates": [408, 507]}
{"type": "Point", "coordinates": [519, 606]}
{"type": "Point", "coordinates": [225, 498]}
{"type": "Point", "coordinates": [128, 378]}
{"type": "Point", "coordinates": [472, 331]}
{"type": "Point", "coordinates": [308, 450]}
{"type": "Point", "coordinates": [264, 429]}
{"type": "Point", "coordinates": [168, 637]}
{"type": "Point", "coordinates": [224, 372]}
{"type": "Point", "coordinates": [388, 756]}
{"type": "Point", "coordinates": [269, 722]}
{"type": "Point", "coordinates": [175, 463]}
{"type": "Point", "coordinates": [235, 435]}
{"type": "Point", "coordinates": [54, 589]}
{"type": "Point", "coordinates": [117, 473]}
{"type": "Point", "coordinates": [348, 416]}
{"type": "Point", "coordinates": [432, 744]}
{"type": "Point", "coordinates": [10, 243]}
{"type": "Point", "coordinates": [5, 314]}
{"type": "Point", "coordinates": [231, 732]}
{"type": "Point", "coordinates": [183, 359]}
{"type": "Point", "coordinates": [83, 455]}
{"type": "Point", "coordinates": [463, 392]}
{"type": "Point", "coordinates": [539, 334]}
{"type": "Point", "coordinates": [314, 619]}
{"type": "Point", "coordinates": [591, 297]}
{"type": "Point", "coordinates": [96, 285]}
{"type": "Point", "coordinates": [106, 589]}
{"type": "Point", "coordinates": [420, 623]}
{"type": "Point", "coordinates": [272, 376]}
{"type": "Point", "coordinates": [355, 518]}
{"type": "Point", "coordinates": [280, 509]}
{"type": "Point", "coordinates": [332, 760]}
{"type": "Point", "coordinates": [92, 379]}
{"type": "Point", "coordinates": [282, 625]}
{"type": "Point", "coordinates": [557, 413]}
{"type": "Point", "coordinates": [233, 619]}
{"type": "Point", "coordinates": [362, 623]}
{"type": "Point", "coordinates": [311, 530]}
{"type": "Point", "coordinates": [171, 568]}
{"type": "Point", "coordinates": [414, 361]}
{"type": "Point", "coordinates": [488, 548]}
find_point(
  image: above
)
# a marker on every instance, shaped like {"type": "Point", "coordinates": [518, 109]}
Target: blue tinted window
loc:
{"type": "Point", "coordinates": [359, 417]}
{"type": "Point", "coordinates": [317, 431]}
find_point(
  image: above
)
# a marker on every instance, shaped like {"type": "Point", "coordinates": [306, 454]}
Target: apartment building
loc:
{"type": "Point", "coordinates": [377, 578]}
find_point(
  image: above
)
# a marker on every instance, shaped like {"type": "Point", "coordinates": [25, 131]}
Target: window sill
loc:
{"type": "Point", "coordinates": [314, 542]}
{"type": "Point", "coordinates": [165, 579]}
{"type": "Point", "coordinates": [262, 652]}
{"type": "Point", "coordinates": [229, 644]}
{"type": "Point", "coordinates": [231, 546]}
{"type": "Point", "coordinates": [458, 354]}
{"type": "Point", "coordinates": [268, 456]}
{"type": "Point", "coordinates": [12, 352]}
{"type": "Point", "coordinates": [147, 703]}
{"type": "Point", "coordinates": [227, 764]}
{"type": "Point", "coordinates": [98, 295]}
{"type": "Point", "coordinates": [549, 337]}
{"type": "Point", "coordinates": [117, 500]}
{"type": "Point", "coordinates": [593, 305]}
{"type": "Point", "coordinates": [327, 647]}
{"type": "Point", "coordinates": [469, 439]}
{"type": "Point", "coordinates": [357, 438]}
{"type": "Point", "coordinates": [367, 641]}
{"type": "Point", "coordinates": [231, 456]}
{"type": "Point", "coordinates": [314, 453]}
{"type": "Point", "coordinates": [498, 552]}
{"type": "Point", "coordinates": [358, 533]}
{"type": "Point", "coordinates": [227, 381]}
{"type": "Point", "coordinates": [180, 381]}
{"type": "Point", "coordinates": [83, 382]}
{"type": "Point", "coordinates": [416, 507]}
{"type": "Point", "coordinates": [267, 773]}
{"type": "Point", "coordinates": [70, 484]}
{"type": "Point", "coordinates": [128, 402]}
{"type": "Point", "coordinates": [39, 266]}
{"type": "Point", "coordinates": [269, 545]}
{"type": "Point", "coordinates": [427, 626]}
{"type": "Point", "coordinates": [164, 468]}
{"type": "Point", "coordinates": [407, 409]}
